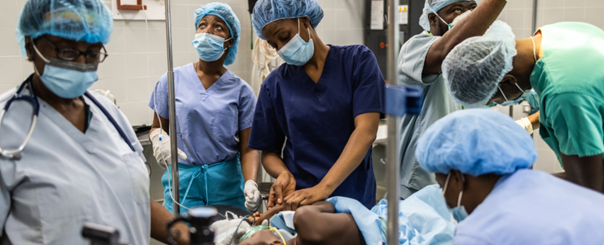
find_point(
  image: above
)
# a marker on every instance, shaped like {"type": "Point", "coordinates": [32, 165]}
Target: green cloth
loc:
{"type": "Point", "coordinates": [569, 78]}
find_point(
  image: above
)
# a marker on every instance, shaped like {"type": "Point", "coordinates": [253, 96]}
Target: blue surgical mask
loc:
{"type": "Point", "coordinates": [209, 47]}
{"type": "Point", "coordinates": [297, 52]}
{"type": "Point", "coordinates": [67, 79]}
{"type": "Point", "coordinates": [516, 101]}
{"type": "Point", "coordinates": [459, 212]}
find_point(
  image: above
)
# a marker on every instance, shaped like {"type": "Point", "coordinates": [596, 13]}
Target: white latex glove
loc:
{"type": "Point", "coordinates": [252, 196]}
{"type": "Point", "coordinates": [161, 148]}
{"type": "Point", "coordinates": [526, 124]}
{"type": "Point", "coordinates": [224, 231]}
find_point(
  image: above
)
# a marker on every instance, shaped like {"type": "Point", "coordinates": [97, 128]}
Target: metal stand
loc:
{"type": "Point", "coordinates": [172, 113]}
{"type": "Point", "coordinates": [392, 164]}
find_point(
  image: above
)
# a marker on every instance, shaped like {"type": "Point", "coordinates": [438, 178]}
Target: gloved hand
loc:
{"type": "Point", "coordinates": [161, 149]}
{"type": "Point", "coordinates": [224, 231]}
{"type": "Point", "coordinates": [252, 196]}
{"type": "Point", "coordinates": [526, 124]}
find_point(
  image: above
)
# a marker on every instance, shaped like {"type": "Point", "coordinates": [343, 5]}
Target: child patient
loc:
{"type": "Point", "coordinates": [424, 218]}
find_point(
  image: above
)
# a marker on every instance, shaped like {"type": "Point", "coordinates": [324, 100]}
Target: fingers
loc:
{"type": "Point", "coordinates": [182, 154]}
{"type": "Point", "coordinates": [278, 189]}
{"type": "Point", "coordinates": [294, 201]}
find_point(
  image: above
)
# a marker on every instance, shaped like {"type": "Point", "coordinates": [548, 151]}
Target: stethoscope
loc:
{"type": "Point", "coordinates": [33, 99]}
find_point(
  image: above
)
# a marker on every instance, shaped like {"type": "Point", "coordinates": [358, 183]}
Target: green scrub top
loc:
{"type": "Point", "coordinates": [569, 78]}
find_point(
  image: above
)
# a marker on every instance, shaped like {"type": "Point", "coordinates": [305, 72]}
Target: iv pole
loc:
{"type": "Point", "coordinates": [392, 166]}
{"type": "Point", "coordinates": [172, 113]}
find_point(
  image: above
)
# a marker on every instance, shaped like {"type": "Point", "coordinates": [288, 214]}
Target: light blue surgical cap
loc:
{"type": "Point", "coordinates": [474, 68]}
{"type": "Point", "coordinates": [81, 20]}
{"type": "Point", "coordinates": [475, 142]}
{"type": "Point", "coordinates": [225, 12]}
{"type": "Point", "coordinates": [267, 11]}
{"type": "Point", "coordinates": [433, 6]}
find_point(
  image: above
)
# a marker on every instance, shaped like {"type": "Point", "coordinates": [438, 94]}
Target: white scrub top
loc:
{"type": "Point", "coordinates": [532, 207]}
{"type": "Point", "coordinates": [437, 104]}
{"type": "Point", "coordinates": [67, 177]}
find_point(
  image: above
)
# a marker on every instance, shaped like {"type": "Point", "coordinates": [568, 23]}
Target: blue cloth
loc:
{"type": "Point", "coordinates": [208, 121]}
{"type": "Point", "coordinates": [318, 119]}
{"type": "Point", "coordinates": [81, 20]}
{"type": "Point", "coordinates": [206, 185]}
{"type": "Point", "coordinates": [424, 218]}
{"type": "Point", "coordinates": [533, 207]}
{"type": "Point", "coordinates": [267, 11]}
{"type": "Point", "coordinates": [223, 11]}
{"type": "Point", "coordinates": [476, 142]}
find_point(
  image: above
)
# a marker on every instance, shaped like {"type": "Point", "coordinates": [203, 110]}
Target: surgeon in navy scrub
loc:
{"type": "Point", "coordinates": [324, 105]}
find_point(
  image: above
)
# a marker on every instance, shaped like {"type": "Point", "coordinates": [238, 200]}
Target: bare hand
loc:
{"type": "Point", "coordinates": [306, 196]}
{"type": "Point", "coordinates": [283, 186]}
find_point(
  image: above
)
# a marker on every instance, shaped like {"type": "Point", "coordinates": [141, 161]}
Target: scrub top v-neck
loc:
{"type": "Point", "coordinates": [208, 120]}
{"type": "Point", "coordinates": [316, 120]}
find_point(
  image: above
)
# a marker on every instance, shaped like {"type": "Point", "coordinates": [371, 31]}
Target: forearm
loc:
{"type": "Point", "coordinates": [351, 157]}
{"type": "Point", "coordinates": [585, 171]}
{"type": "Point", "coordinates": [534, 119]}
{"type": "Point", "coordinates": [160, 217]}
{"type": "Point", "coordinates": [250, 163]}
{"type": "Point", "coordinates": [273, 164]}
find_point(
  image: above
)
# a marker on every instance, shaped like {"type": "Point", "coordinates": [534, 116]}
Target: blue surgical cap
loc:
{"type": "Point", "coordinates": [267, 11]}
{"type": "Point", "coordinates": [474, 68]}
{"type": "Point", "coordinates": [81, 20]}
{"type": "Point", "coordinates": [224, 12]}
{"type": "Point", "coordinates": [475, 142]}
{"type": "Point", "coordinates": [433, 6]}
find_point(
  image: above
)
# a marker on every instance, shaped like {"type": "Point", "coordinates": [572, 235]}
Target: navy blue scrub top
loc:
{"type": "Point", "coordinates": [318, 119]}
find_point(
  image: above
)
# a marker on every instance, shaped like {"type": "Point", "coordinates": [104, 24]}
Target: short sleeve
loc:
{"type": "Point", "coordinates": [247, 104]}
{"type": "Point", "coordinates": [267, 134]}
{"type": "Point", "coordinates": [369, 85]}
{"type": "Point", "coordinates": [412, 58]}
{"type": "Point", "coordinates": [159, 98]}
{"type": "Point", "coordinates": [576, 123]}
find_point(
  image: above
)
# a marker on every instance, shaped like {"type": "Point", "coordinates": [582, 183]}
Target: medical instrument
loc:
{"type": "Point", "coordinates": [392, 152]}
{"type": "Point", "coordinates": [200, 219]}
{"type": "Point", "coordinates": [100, 234]}
{"type": "Point", "coordinates": [33, 99]}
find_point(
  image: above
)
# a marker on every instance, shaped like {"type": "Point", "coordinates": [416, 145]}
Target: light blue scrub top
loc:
{"type": "Point", "coordinates": [437, 104]}
{"type": "Point", "coordinates": [67, 177]}
{"type": "Point", "coordinates": [533, 207]}
{"type": "Point", "coordinates": [208, 121]}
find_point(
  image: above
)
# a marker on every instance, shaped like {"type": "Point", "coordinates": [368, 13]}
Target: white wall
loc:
{"type": "Point", "coordinates": [519, 15]}
{"type": "Point", "coordinates": [138, 51]}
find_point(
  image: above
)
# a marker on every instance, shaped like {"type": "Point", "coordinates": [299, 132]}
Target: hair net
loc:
{"type": "Point", "coordinates": [433, 6]}
{"type": "Point", "coordinates": [474, 68]}
{"type": "Point", "coordinates": [81, 20]}
{"type": "Point", "coordinates": [476, 142]}
{"type": "Point", "coordinates": [267, 11]}
{"type": "Point", "coordinates": [225, 12]}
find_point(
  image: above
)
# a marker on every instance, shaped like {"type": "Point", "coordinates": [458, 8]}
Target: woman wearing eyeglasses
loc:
{"type": "Point", "coordinates": [68, 156]}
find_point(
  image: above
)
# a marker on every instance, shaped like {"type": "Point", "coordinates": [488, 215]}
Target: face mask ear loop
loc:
{"type": "Point", "coordinates": [446, 183]}
{"type": "Point", "coordinates": [40, 54]}
{"type": "Point", "coordinates": [500, 90]}
{"type": "Point", "coordinates": [461, 192]}
{"type": "Point", "coordinates": [518, 86]}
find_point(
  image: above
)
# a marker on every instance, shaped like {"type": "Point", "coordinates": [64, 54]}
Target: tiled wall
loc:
{"type": "Point", "coordinates": [138, 50]}
{"type": "Point", "coordinates": [519, 15]}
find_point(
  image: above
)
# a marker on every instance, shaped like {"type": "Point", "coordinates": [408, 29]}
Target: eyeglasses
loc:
{"type": "Point", "coordinates": [70, 54]}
